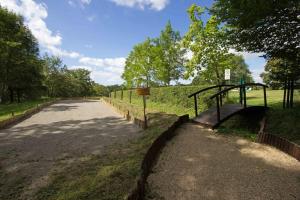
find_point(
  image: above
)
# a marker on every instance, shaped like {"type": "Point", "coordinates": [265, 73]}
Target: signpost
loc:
{"type": "Point", "coordinates": [143, 92]}
{"type": "Point", "coordinates": [227, 74]}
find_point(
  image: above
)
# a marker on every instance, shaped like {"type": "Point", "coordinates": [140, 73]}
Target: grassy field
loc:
{"type": "Point", "coordinates": [9, 110]}
{"type": "Point", "coordinates": [281, 122]}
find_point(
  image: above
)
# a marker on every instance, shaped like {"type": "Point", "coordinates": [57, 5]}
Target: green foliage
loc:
{"type": "Point", "coordinates": [139, 67]}
{"type": "Point", "coordinates": [239, 69]}
{"type": "Point", "coordinates": [208, 44]}
{"type": "Point", "coordinates": [155, 61]}
{"type": "Point", "coordinates": [6, 110]}
{"type": "Point", "coordinates": [277, 71]}
{"type": "Point", "coordinates": [265, 26]}
{"type": "Point", "coordinates": [170, 58]}
{"type": "Point", "coordinates": [173, 99]}
{"type": "Point", "coordinates": [20, 65]}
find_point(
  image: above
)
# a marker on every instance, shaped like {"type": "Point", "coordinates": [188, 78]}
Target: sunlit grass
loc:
{"type": "Point", "coordinates": [14, 109]}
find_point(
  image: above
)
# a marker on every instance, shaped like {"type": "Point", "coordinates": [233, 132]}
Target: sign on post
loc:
{"type": "Point", "coordinates": [227, 74]}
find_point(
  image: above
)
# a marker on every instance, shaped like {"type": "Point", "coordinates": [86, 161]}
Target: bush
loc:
{"type": "Point", "coordinates": [173, 95]}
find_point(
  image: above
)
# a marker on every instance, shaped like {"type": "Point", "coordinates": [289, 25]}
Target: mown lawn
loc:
{"type": "Point", "coordinates": [283, 122]}
{"type": "Point", "coordinates": [9, 110]}
{"type": "Point", "coordinates": [280, 121]}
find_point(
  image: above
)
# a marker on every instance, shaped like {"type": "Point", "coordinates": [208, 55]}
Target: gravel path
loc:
{"type": "Point", "coordinates": [64, 131]}
{"type": "Point", "coordinates": [199, 164]}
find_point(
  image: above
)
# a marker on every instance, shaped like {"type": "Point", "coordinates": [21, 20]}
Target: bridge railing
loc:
{"type": "Point", "coordinates": [203, 90]}
{"type": "Point", "coordinates": [243, 96]}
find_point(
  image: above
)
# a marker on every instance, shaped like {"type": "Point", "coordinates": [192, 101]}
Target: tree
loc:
{"type": "Point", "coordinates": [207, 42]}
{"type": "Point", "coordinates": [239, 69]}
{"type": "Point", "coordinates": [267, 26]}
{"type": "Point", "coordinates": [169, 56]}
{"type": "Point", "coordinates": [139, 67]}
{"type": "Point", "coordinates": [20, 64]}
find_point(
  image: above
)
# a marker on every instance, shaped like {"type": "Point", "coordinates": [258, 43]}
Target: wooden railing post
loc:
{"type": "Point", "coordinates": [245, 98]}
{"type": "Point", "coordinates": [218, 109]}
{"type": "Point", "coordinates": [196, 105]}
{"type": "Point", "coordinates": [265, 96]}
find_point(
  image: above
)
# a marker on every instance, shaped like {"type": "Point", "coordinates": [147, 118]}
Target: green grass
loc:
{"type": "Point", "coordinates": [283, 122]}
{"type": "Point", "coordinates": [8, 110]}
{"type": "Point", "coordinates": [107, 177]}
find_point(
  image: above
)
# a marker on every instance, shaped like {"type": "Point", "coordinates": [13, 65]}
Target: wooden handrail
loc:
{"type": "Point", "coordinates": [208, 88]}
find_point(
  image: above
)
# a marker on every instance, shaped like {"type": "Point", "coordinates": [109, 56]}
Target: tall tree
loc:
{"type": "Point", "coordinates": [207, 43]}
{"type": "Point", "coordinates": [20, 64]}
{"type": "Point", "coordinates": [268, 26]}
{"type": "Point", "coordinates": [139, 67]}
{"type": "Point", "coordinates": [169, 56]}
{"type": "Point", "coordinates": [239, 69]}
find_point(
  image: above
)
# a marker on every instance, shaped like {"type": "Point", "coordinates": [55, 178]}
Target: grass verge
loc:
{"type": "Point", "coordinates": [7, 111]}
{"type": "Point", "coordinates": [108, 176]}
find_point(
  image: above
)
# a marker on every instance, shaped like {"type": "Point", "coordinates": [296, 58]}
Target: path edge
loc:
{"type": "Point", "coordinates": [19, 118]}
{"type": "Point", "coordinates": [129, 116]}
{"type": "Point", "coordinates": [278, 142]}
{"type": "Point", "coordinates": [152, 154]}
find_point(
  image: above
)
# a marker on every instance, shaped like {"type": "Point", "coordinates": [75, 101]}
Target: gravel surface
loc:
{"type": "Point", "coordinates": [200, 164]}
{"type": "Point", "coordinates": [64, 131]}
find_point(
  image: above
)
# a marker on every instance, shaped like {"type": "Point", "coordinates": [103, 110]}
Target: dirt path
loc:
{"type": "Point", "coordinates": [199, 164]}
{"type": "Point", "coordinates": [65, 131]}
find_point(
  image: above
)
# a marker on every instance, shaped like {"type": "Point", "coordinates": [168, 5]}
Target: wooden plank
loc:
{"type": "Point", "coordinates": [209, 117]}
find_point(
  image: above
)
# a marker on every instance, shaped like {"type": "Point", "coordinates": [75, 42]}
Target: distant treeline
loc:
{"type": "Point", "coordinates": [24, 74]}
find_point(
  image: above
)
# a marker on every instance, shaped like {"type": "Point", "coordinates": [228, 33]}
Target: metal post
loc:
{"type": "Point", "coordinates": [245, 101]}
{"type": "Point", "coordinates": [284, 94]}
{"type": "Point", "coordinates": [121, 94]}
{"type": "Point", "coordinates": [130, 93]}
{"type": "Point", "coordinates": [220, 89]}
{"type": "Point", "coordinates": [218, 109]}
{"type": "Point", "coordinates": [241, 95]}
{"type": "Point", "coordinates": [196, 107]}
{"type": "Point", "coordinates": [265, 96]}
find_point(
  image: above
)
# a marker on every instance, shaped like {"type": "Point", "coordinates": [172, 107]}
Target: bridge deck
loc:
{"type": "Point", "coordinates": [209, 117]}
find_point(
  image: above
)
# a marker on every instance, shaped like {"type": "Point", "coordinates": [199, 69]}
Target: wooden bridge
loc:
{"type": "Point", "coordinates": [214, 116]}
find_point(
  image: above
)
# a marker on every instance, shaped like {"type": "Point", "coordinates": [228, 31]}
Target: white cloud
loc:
{"type": "Point", "coordinates": [153, 4]}
{"type": "Point", "coordinates": [86, 2]}
{"type": "Point", "coordinates": [105, 71]}
{"type": "Point", "coordinates": [35, 15]}
{"type": "Point", "coordinates": [105, 62]}
{"type": "Point", "coordinates": [91, 18]}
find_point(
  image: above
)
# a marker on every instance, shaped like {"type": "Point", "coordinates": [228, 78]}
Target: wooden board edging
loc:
{"type": "Point", "coordinates": [126, 114]}
{"type": "Point", "coordinates": [280, 143]}
{"type": "Point", "coordinates": [151, 156]}
{"type": "Point", "coordinates": [19, 118]}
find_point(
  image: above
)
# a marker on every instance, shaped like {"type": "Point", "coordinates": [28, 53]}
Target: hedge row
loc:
{"type": "Point", "coordinates": [173, 95]}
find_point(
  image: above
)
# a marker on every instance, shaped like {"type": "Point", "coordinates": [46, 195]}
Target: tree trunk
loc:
{"type": "Point", "coordinates": [19, 95]}
{"type": "Point", "coordinates": [11, 95]}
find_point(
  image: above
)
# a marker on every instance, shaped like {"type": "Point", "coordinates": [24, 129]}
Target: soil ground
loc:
{"type": "Point", "coordinates": [60, 133]}
{"type": "Point", "coordinates": [200, 164]}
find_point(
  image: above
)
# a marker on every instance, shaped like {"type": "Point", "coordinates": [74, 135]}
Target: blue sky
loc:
{"type": "Point", "coordinates": [99, 34]}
